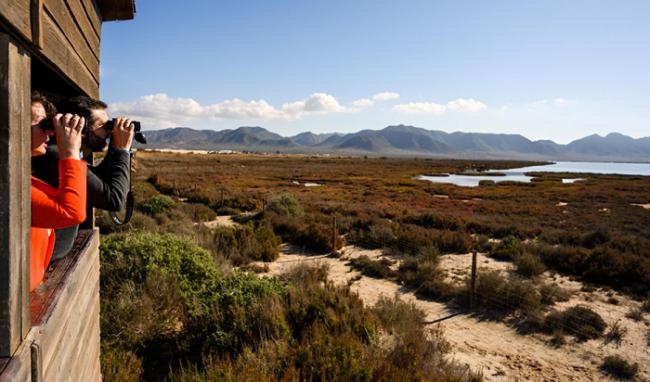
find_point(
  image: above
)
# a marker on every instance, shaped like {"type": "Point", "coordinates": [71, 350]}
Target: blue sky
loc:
{"type": "Point", "coordinates": [545, 69]}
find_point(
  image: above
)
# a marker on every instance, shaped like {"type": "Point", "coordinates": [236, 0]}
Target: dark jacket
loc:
{"type": "Point", "coordinates": [106, 187]}
{"type": "Point", "coordinates": [107, 183]}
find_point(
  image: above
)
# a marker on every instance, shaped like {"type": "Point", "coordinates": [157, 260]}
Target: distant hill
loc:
{"type": "Point", "coordinates": [408, 140]}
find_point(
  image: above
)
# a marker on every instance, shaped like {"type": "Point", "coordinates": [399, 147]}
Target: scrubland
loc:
{"type": "Point", "coordinates": [213, 319]}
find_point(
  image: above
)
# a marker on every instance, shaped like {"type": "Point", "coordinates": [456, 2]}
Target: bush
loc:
{"type": "Point", "coordinates": [615, 333]}
{"type": "Point", "coordinates": [552, 293]}
{"type": "Point", "coordinates": [285, 204]}
{"type": "Point", "coordinates": [156, 205]}
{"type": "Point", "coordinates": [242, 244]}
{"type": "Point", "coordinates": [618, 367]}
{"type": "Point", "coordinates": [579, 321]}
{"type": "Point", "coordinates": [498, 293]}
{"type": "Point", "coordinates": [508, 249]}
{"type": "Point", "coordinates": [529, 265]}
{"type": "Point", "coordinates": [372, 268]}
{"type": "Point", "coordinates": [424, 274]}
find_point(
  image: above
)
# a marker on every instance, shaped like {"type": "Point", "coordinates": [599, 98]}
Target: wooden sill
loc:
{"type": "Point", "coordinates": [43, 298]}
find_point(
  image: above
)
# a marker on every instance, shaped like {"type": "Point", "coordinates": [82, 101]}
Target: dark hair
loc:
{"type": "Point", "coordinates": [38, 97]}
{"type": "Point", "coordinates": [81, 105]}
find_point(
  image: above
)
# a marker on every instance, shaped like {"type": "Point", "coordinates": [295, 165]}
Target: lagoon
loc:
{"type": "Point", "coordinates": [519, 174]}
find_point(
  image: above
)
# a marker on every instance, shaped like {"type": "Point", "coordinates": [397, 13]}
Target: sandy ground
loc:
{"type": "Point", "coordinates": [220, 221]}
{"type": "Point", "coordinates": [493, 347]}
{"type": "Point", "coordinates": [644, 206]}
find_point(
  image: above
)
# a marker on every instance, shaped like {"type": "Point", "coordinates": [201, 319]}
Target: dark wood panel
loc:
{"type": "Point", "coordinates": [62, 17]}
{"type": "Point", "coordinates": [58, 50]}
{"type": "Point", "coordinates": [19, 367]}
{"type": "Point", "coordinates": [15, 88]}
{"type": "Point", "coordinates": [117, 9]}
{"type": "Point", "coordinates": [94, 15]}
{"type": "Point", "coordinates": [87, 30]}
{"type": "Point", "coordinates": [17, 13]}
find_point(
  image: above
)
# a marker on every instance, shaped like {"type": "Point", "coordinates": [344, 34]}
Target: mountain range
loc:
{"type": "Point", "coordinates": [404, 140]}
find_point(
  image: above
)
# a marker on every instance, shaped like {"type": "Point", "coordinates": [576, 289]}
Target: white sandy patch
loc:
{"type": "Point", "coordinates": [493, 347]}
{"type": "Point", "coordinates": [644, 206]}
{"type": "Point", "coordinates": [220, 221]}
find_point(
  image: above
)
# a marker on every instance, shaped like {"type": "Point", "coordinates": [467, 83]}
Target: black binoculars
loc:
{"type": "Point", "coordinates": [48, 124]}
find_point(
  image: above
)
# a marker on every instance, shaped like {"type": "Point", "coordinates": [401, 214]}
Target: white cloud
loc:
{"type": "Point", "coordinates": [466, 105]}
{"type": "Point", "coordinates": [460, 106]}
{"type": "Point", "coordinates": [385, 96]}
{"type": "Point", "coordinates": [421, 108]}
{"type": "Point", "coordinates": [317, 103]}
{"type": "Point", "coordinates": [363, 102]}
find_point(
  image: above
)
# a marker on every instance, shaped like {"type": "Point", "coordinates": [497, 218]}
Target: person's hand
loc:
{"type": "Point", "coordinates": [122, 137]}
{"type": "Point", "coordinates": [68, 130]}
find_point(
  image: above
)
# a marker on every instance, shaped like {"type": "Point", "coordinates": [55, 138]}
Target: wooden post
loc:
{"type": "Point", "coordinates": [472, 292]}
{"type": "Point", "coordinates": [37, 23]}
{"type": "Point", "coordinates": [15, 207]}
{"type": "Point", "coordinates": [334, 233]}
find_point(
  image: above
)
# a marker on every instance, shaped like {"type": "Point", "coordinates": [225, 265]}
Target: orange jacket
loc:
{"type": "Point", "coordinates": [52, 208]}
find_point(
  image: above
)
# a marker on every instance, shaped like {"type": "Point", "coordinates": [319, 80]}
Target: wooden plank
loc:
{"type": "Point", "coordinates": [37, 23]}
{"type": "Point", "coordinates": [72, 360]}
{"type": "Point", "coordinates": [15, 173]}
{"type": "Point", "coordinates": [117, 9]}
{"type": "Point", "coordinates": [55, 325]}
{"type": "Point", "coordinates": [60, 353]}
{"type": "Point", "coordinates": [64, 20]}
{"type": "Point", "coordinates": [60, 53]}
{"type": "Point", "coordinates": [66, 314]}
{"type": "Point", "coordinates": [88, 31]}
{"type": "Point", "coordinates": [94, 15]}
{"type": "Point", "coordinates": [42, 299]}
{"type": "Point", "coordinates": [91, 356]}
{"type": "Point", "coordinates": [17, 14]}
{"type": "Point", "coordinates": [19, 367]}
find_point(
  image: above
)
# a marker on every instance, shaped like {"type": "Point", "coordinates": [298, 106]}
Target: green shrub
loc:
{"type": "Point", "coordinates": [507, 295]}
{"type": "Point", "coordinates": [285, 204]}
{"type": "Point", "coordinates": [618, 367]}
{"type": "Point", "coordinates": [242, 244]}
{"type": "Point", "coordinates": [579, 321]}
{"type": "Point", "coordinates": [552, 293]}
{"type": "Point", "coordinates": [197, 212]}
{"type": "Point", "coordinates": [156, 204]}
{"type": "Point", "coordinates": [423, 273]}
{"type": "Point", "coordinates": [372, 268]}
{"type": "Point", "coordinates": [529, 265]}
{"type": "Point", "coordinates": [508, 249]}
{"type": "Point", "coordinates": [120, 365]}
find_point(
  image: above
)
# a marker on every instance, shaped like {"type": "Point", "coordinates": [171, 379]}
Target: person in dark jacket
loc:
{"type": "Point", "coordinates": [107, 182]}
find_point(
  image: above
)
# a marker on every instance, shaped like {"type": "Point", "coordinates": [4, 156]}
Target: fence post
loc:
{"type": "Point", "coordinates": [334, 233]}
{"type": "Point", "coordinates": [472, 292]}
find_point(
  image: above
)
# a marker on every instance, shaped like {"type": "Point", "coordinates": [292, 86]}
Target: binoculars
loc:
{"type": "Point", "coordinates": [48, 124]}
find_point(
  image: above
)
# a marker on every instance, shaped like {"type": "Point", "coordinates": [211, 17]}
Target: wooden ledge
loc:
{"type": "Point", "coordinates": [43, 298]}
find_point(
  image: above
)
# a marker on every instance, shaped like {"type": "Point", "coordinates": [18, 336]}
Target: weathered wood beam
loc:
{"type": "Point", "coordinates": [37, 23]}
{"type": "Point", "coordinates": [15, 207]}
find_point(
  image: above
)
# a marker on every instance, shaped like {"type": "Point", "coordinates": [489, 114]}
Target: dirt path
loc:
{"type": "Point", "coordinates": [220, 221]}
{"type": "Point", "coordinates": [493, 347]}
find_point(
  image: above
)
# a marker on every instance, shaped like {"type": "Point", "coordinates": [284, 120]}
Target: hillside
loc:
{"type": "Point", "coordinates": [404, 140]}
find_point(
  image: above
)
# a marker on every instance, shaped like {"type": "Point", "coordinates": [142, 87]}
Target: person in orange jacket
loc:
{"type": "Point", "coordinates": [55, 208]}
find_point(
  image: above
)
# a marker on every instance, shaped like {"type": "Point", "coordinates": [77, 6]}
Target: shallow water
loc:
{"type": "Point", "coordinates": [519, 174]}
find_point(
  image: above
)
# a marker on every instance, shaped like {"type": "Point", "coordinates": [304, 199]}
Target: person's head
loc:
{"type": "Point", "coordinates": [95, 113]}
{"type": "Point", "coordinates": [42, 109]}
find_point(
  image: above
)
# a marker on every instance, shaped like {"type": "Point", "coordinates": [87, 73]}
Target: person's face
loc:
{"type": "Point", "coordinates": [40, 137]}
{"type": "Point", "coordinates": [98, 134]}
